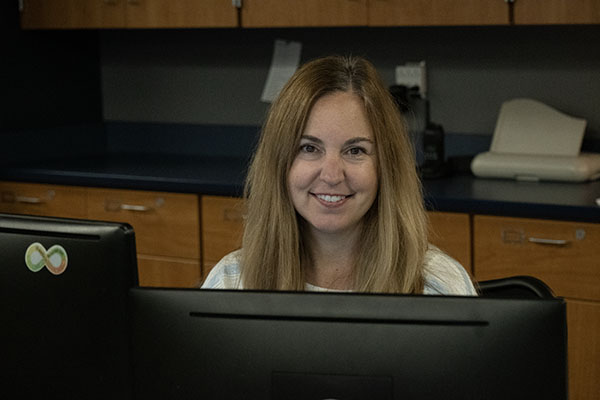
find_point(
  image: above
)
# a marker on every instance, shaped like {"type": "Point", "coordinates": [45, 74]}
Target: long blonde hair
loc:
{"type": "Point", "coordinates": [394, 236]}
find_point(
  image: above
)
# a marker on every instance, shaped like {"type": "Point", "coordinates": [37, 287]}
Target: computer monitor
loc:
{"type": "Point", "coordinates": [64, 289]}
{"type": "Point", "coordinates": [219, 344]}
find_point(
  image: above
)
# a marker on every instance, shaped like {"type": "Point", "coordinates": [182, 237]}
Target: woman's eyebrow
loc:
{"type": "Point", "coordinates": [353, 140]}
{"type": "Point", "coordinates": [311, 138]}
{"type": "Point", "coordinates": [358, 139]}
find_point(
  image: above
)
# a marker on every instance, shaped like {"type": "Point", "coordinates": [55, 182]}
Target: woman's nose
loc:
{"type": "Point", "coordinates": [332, 170]}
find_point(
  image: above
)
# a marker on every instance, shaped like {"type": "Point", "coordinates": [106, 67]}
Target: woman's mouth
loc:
{"type": "Point", "coordinates": [331, 199]}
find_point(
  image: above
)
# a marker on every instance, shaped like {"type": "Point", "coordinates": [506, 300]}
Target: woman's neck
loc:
{"type": "Point", "coordinates": [333, 258]}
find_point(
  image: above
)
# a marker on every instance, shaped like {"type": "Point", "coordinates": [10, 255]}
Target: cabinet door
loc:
{"type": "Point", "coordinates": [168, 272]}
{"type": "Point", "coordinates": [165, 224]}
{"type": "Point", "coordinates": [437, 12]}
{"type": "Point", "coordinates": [71, 14]}
{"type": "Point", "coordinates": [42, 199]}
{"type": "Point", "coordinates": [180, 13]}
{"type": "Point", "coordinates": [563, 254]}
{"type": "Point", "coordinates": [222, 228]}
{"type": "Point", "coordinates": [287, 13]}
{"type": "Point", "coordinates": [583, 321]}
{"type": "Point", "coordinates": [557, 12]}
{"type": "Point", "coordinates": [451, 232]}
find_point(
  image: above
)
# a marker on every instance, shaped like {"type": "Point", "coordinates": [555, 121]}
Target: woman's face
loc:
{"type": "Point", "coordinates": [333, 179]}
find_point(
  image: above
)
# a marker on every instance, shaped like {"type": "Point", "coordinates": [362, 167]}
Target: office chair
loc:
{"type": "Point", "coordinates": [515, 287]}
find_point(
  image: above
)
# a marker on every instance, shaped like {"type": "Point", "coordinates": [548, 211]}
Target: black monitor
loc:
{"type": "Point", "coordinates": [219, 344]}
{"type": "Point", "coordinates": [64, 289]}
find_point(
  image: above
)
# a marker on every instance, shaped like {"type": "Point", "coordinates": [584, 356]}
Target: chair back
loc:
{"type": "Point", "coordinates": [515, 287]}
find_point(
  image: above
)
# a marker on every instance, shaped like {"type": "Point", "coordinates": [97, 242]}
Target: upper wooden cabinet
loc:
{"type": "Point", "coordinates": [437, 12]}
{"type": "Point", "coordinates": [294, 13]}
{"type": "Point", "coordinates": [180, 14]}
{"type": "Point", "coordinates": [556, 12]}
{"type": "Point", "coordinates": [73, 14]}
{"type": "Point", "coordinates": [76, 14]}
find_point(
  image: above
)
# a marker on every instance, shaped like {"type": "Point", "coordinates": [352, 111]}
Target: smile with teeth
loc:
{"type": "Point", "coordinates": [330, 198]}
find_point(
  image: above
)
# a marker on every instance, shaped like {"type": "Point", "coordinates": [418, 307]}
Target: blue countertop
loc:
{"type": "Point", "coordinates": [225, 176]}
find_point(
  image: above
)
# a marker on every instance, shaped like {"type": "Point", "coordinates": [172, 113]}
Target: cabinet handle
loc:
{"type": "Point", "coordinates": [553, 242]}
{"type": "Point", "coordinates": [110, 2]}
{"type": "Point", "coordinates": [12, 197]}
{"type": "Point", "coordinates": [118, 206]}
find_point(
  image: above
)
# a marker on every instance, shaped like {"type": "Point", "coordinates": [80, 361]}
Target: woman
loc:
{"type": "Point", "coordinates": [332, 194]}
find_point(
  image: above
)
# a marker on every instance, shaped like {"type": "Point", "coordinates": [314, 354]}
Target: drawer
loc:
{"type": "Point", "coordinates": [451, 232]}
{"type": "Point", "coordinates": [222, 228]}
{"type": "Point", "coordinates": [42, 199]}
{"type": "Point", "coordinates": [168, 272]}
{"type": "Point", "coordinates": [583, 320]}
{"type": "Point", "coordinates": [165, 224]}
{"type": "Point", "coordinates": [565, 255]}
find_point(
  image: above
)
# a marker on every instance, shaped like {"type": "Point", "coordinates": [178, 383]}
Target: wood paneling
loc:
{"type": "Point", "coordinates": [437, 12]}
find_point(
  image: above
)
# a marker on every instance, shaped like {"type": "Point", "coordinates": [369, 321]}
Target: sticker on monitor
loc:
{"type": "Point", "coordinates": [55, 258]}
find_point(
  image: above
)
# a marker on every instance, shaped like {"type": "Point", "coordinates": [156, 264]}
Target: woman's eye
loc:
{"type": "Point", "coordinates": [308, 148]}
{"type": "Point", "coordinates": [356, 151]}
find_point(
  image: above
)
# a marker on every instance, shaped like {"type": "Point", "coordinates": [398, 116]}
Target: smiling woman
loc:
{"type": "Point", "coordinates": [332, 195]}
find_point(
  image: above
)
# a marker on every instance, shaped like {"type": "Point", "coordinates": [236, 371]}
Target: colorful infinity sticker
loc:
{"type": "Point", "coordinates": [55, 258]}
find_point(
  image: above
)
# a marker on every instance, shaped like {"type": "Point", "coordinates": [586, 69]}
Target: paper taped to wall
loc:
{"type": "Point", "coordinates": [286, 58]}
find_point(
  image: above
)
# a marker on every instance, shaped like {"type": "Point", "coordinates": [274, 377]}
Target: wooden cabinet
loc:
{"type": "Point", "coordinates": [222, 228]}
{"type": "Point", "coordinates": [180, 14]}
{"type": "Point", "coordinates": [167, 228]}
{"type": "Point", "coordinates": [166, 225]}
{"type": "Point", "coordinates": [451, 232]}
{"type": "Point", "coordinates": [77, 14]}
{"type": "Point", "coordinates": [565, 255]}
{"type": "Point", "coordinates": [438, 12]}
{"type": "Point", "coordinates": [293, 13]}
{"type": "Point", "coordinates": [583, 321]}
{"type": "Point", "coordinates": [73, 14]}
{"type": "Point", "coordinates": [537, 12]}
{"type": "Point", "coordinates": [41, 199]}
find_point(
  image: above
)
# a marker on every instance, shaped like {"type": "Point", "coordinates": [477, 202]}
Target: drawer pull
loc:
{"type": "Point", "coordinates": [118, 206]}
{"type": "Point", "coordinates": [553, 242]}
{"type": "Point", "coordinates": [11, 197]}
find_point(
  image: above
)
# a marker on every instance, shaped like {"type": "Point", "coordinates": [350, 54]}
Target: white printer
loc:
{"type": "Point", "coordinates": [533, 141]}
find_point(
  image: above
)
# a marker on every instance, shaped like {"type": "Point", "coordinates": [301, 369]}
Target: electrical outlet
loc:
{"type": "Point", "coordinates": [412, 74]}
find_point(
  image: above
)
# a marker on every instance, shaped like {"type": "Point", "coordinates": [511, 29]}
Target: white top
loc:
{"type": "Point", "coordinates": [443, 275]}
